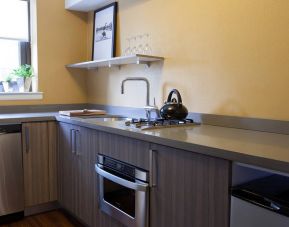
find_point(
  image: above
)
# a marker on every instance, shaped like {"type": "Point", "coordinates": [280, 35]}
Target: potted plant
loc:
{"type": "Point", "coordinates": [24, 74]}
{"type": "Point", "coordinates": [6, 83]}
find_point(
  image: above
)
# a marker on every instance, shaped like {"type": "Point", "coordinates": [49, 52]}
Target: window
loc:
{"type": "Point", "coordinates": [14, 43]}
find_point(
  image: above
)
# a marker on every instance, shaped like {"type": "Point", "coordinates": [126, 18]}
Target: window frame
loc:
{"type": "Point", "coordinates": [25, 47]}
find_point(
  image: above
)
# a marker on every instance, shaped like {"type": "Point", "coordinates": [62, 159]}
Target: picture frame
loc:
{"type": "Point", "coordinates": [104, 32]}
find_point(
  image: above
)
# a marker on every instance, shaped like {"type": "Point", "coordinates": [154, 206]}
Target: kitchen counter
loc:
{"type": "Point", "coordinates": [27, 117]}
{"type": "Point", "coordinates": [268, 150]}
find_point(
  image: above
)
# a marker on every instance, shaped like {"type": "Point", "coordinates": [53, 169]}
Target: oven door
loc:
{"type": "Point", "coordinates": [124, 199]}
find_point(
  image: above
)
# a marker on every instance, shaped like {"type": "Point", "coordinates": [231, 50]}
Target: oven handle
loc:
{"type": "Point", "coordinates": [121, 181]}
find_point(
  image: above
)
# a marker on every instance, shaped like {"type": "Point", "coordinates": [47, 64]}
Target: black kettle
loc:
{"type": "Point", "coordinates": [174, 109]}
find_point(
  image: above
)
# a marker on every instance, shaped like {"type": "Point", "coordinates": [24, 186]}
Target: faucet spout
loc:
{"type": "Point", "coordinates": [148, 109]}
{"type": "Point", "coordinates": [138, 79]}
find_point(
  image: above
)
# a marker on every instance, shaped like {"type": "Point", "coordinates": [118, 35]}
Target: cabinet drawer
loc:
{"type": "Point", "coordinates": [132, 151]}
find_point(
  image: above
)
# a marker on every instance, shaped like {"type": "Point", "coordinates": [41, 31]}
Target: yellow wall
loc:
{"type": "Point", "coordinates": [61, 37]}
{"type": "Point", "coordinates": [225, 56]}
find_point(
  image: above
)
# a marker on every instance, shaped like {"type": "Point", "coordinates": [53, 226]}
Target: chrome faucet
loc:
{"type": "Point", "coordinates": [138, 79]}
{"type": "Point", "coordinates": [149, 109]}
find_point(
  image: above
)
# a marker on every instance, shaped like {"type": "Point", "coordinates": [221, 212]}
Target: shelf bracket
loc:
{"type": "Point", "coordinates": [119, 67]}
{"type": "Point", "coordinates": [147, 63]}
{"type": "Point", "coordinates": [109, 64]}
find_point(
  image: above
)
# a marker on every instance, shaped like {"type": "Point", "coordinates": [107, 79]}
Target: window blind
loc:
{"type": "Point", "coordinates": [14, 22]}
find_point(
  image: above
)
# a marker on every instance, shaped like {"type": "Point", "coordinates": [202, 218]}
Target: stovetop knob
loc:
{"type": "Point", "coordinates": [138, 125]}
{"type": "Point", "coordinates": [127, 123]}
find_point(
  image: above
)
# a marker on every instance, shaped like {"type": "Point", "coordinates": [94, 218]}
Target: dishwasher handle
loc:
{"type": "Point", "coordinates": [256, 199]}
{"type": "Point", "coordinates": [273, 205]}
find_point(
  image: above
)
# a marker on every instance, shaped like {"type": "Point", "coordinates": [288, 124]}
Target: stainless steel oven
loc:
{"type": "Point", "coordinates": [123, 191]}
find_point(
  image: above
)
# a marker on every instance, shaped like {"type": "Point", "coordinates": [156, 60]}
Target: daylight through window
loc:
{"type": "Point", "coordinates": [15, 55]}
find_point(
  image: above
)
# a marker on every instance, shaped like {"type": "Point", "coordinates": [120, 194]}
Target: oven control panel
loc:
{"type": "Point", "coordinates": [123, 168]}
{"type": "Point", "coordinates": [120, 167]}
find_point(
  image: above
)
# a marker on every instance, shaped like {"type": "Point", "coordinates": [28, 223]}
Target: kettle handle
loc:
{"type": "Point", "coordinates": [175, 91]}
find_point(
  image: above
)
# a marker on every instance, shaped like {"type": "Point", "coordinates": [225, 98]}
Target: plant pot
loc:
{"type": "Point", "coordinates": [20, 83]}
{"type": "Point", "coordinates": [6, 86]}
{"type": "Point", "coordinates": [13, 86]}
{"type": "Point", "coordinates": [1, 87]}
{"type": "Point", "coordinates": [27, 84]}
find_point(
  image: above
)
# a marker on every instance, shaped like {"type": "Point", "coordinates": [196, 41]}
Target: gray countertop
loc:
{"type": "Point", "coordinates": [268, 150]}
{"type": "Point", "coordinates": [27, 117]}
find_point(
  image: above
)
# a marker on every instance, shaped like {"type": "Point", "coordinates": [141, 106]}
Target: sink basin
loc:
{"type": "Point", "coordinates": [106, 119]}
{"type": "Point", "coordinates": [100, 116]}
{"type": "Point", "coordinates": [103, 118]}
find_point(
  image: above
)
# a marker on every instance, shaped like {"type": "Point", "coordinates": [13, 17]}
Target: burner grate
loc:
{"type": "Point", "coordinates": [158, 123]}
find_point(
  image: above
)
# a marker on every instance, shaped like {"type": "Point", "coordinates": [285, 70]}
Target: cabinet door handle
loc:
{"type": "Point", "coordinates": [72, 140]}
{"type": "Point", "coordinates": [77, 142]}
{"type": "Point", "coordinates": [27, 140]}
{"type": "Point", "coordinates": [152, 166]}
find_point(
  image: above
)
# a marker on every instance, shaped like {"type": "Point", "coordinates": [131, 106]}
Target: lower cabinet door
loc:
{"type": "Point", "coordinates": [40, 162]}
{"type": "Point", "coordinates": [76, 172]}
{"type": "Point", "coordinates": [36, 163]}
{"type": "Point", "coordinates": [191, 190]}
{"type": "Point", "coordinates": [53, 158]}
{"type": "Point", "coordinates": [66, 170]}
{"type": "Point", "coordinates": [85, 160]}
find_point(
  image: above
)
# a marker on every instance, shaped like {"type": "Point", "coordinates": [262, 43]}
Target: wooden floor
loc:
{"type": "Point", "coordinates": [49, 219]}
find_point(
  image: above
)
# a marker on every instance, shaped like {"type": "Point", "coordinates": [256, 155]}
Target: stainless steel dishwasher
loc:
{"type": "Point", "coordinates": [11, 172]}
{"type": "Point", "coordinates": [261, 202]}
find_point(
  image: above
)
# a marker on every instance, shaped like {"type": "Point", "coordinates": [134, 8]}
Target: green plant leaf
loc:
{"type": "Point", "coordinates": [24, 71]}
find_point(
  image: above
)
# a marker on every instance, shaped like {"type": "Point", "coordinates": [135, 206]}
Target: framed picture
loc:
{"type": "Point", "coordinates": [104, 29]}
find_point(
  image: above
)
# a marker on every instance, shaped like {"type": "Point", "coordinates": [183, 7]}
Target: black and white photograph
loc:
{"type": "Point", "coordinates": [104, 32]}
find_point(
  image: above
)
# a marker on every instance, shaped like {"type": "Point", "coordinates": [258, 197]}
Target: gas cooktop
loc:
{"type": "Point", "coordinates": [145, 124]}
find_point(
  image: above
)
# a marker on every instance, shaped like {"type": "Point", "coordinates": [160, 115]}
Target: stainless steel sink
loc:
{"type": "Point", "coordinates": [103, 118]}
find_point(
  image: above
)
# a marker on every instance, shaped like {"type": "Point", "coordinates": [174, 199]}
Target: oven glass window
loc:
{"type": "Point", "coordinates": [119, 196]}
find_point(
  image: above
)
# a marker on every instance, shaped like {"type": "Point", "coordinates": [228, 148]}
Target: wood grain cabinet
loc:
{"type": "Point", "coordinates": [191, 190]}
{"type": "Point", "coordinates": [78, 181]}
{"type": "Point", "coordinates": [76, 171]}
{"type": "Point", "coordinates": [188, 189]}
{"type": "Point", "coordinates": [66, 172]}
{"type": "Point", "coordinates": [39, 162]}
{"type": "Point", "coordinates": [132, 151]}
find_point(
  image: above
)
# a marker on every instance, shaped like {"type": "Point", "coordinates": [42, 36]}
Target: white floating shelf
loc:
{"type": "Point", "coordinates": [86, 5]}
{"type": "Point", "coordinates": [117, 61]}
